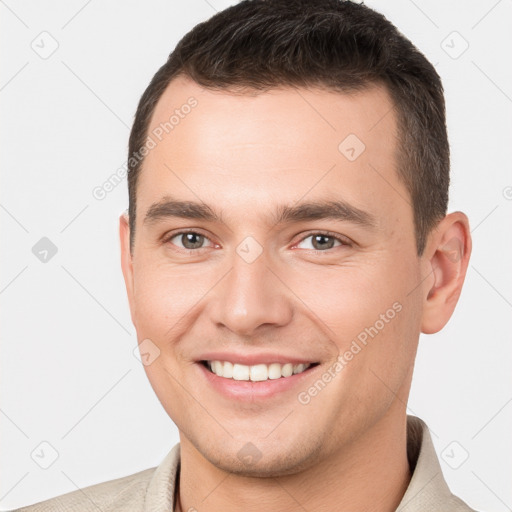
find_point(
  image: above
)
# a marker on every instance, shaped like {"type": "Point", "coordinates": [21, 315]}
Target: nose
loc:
{"type": "Point", "coordinates": [251, 297]}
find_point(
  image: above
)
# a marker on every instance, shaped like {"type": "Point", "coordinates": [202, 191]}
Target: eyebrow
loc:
{"type": "Point", "coordinates": [339, 210]}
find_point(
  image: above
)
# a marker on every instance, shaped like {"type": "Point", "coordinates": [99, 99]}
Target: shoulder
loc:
{"type": "Point", "coordinates": [126, 493]}
{"type": "Point", "coordinates": [147, 490]}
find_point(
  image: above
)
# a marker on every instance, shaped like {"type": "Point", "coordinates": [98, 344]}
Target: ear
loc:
{"type": "Point", "coordinates": [447, 257]}
{"type": "Point", "coordinates": [126, 261]}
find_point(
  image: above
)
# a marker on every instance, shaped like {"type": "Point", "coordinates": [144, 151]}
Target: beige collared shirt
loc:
{"type": "Point", "coordinates": [152, 490]}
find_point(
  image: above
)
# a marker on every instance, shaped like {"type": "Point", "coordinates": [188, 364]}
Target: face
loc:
{"type": "Point", "coordinates": [254, 284]}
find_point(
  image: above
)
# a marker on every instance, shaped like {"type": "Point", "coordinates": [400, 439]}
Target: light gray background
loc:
{"type": "Point", "coordinates": [69, 376]}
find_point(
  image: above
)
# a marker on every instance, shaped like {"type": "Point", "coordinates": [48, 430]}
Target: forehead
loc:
{"type": "Point", "coordinates": [273, 148]}
{"type": "Point", "coordinates": [306, 113]}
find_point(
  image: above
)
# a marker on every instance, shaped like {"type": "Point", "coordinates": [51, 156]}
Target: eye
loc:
{"type": "Point", "coordinates": [323, 241]}
{"type": "Point", "coordinates": [188, 240]}
{"type": "Point", "coordinates": [192, 240]}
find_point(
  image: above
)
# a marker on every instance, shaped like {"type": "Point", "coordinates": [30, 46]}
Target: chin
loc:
{"type": "Point", "coordinates": [267, 460]}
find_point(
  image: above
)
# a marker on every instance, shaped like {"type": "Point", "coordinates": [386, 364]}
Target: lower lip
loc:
{"type": "Point", "coordinates": [247, 390]}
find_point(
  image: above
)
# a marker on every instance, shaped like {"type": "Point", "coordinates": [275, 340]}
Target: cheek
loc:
{"type": "Point", "coordinates": [370, 317]}
{"type": "Point", "coordinates": [346, 299]}
{"type": "Point", "coordinates": [164, 296]}
{"type": "Point", "coordinates": [387, 331]}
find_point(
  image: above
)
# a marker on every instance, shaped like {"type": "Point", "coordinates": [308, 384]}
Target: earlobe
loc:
{"type": "Point", "coordinates": [126, 261]}
{"type": "Point", "coordinates": [448, 250]}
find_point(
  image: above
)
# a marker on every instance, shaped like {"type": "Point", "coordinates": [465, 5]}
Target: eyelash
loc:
{"type": "Point", "coordinates": [329, 234]}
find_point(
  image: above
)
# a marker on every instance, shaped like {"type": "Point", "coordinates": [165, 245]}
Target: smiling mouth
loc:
{"type": "Point", "coordinates": [257, 372]}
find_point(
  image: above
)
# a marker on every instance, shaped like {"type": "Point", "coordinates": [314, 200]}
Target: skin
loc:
{"type": "Point", "coordinates": [244, 155]}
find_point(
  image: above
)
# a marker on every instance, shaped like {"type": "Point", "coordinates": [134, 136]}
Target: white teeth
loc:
{"type": "Point", "coordinates": [257, 372]}
{"type": "Point", "coordinates": [227, 370]}
{"type": "Point", "coordinates": [240, 372]}
{"type": "Point", "coordinates": [287, 370]}
{"type": "Point", "coordinates": [274, 371]}
{"type": "Point", "coordinates": [298, 368]}
{"type": "Point", "coordinates": [217, 368]}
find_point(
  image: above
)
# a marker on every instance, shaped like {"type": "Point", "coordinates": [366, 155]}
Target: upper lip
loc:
{"type": "Point", "coordinates": [253, 359]}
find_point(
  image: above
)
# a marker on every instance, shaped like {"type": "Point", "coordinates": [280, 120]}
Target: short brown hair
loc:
{"type": "Point", "coordinates": [338, 45]}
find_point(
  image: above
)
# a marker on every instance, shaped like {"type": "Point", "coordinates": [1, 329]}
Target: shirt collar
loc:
{"type": "Point", "coordinates": [427, 490]}
{"type": "Point", "coordinates": [427, 487]}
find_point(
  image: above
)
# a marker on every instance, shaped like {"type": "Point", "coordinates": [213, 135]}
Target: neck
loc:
{"type": "Point", "coordinates": [372, 473]}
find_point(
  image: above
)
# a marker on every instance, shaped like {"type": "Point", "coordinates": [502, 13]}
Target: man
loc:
{"type": "Point", "coordinates": [286, 243]}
